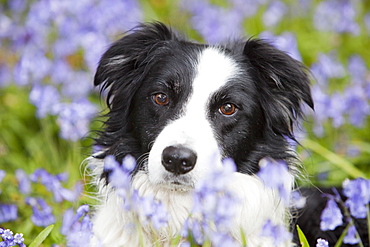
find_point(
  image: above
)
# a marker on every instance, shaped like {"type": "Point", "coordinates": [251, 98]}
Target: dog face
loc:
{"type": "Point", "coordinates": [179, 108]}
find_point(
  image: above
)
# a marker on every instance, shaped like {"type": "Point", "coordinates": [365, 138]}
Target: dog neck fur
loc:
{"type": "Point", "coordinates": [260, 203]}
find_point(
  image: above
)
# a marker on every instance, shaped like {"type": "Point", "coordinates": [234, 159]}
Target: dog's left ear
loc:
{"type": "Point", "coordinates": [283, 83]}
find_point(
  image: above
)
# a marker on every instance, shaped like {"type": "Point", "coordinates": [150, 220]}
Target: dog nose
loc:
{"type": "Point", "coordinates": [178, 159]}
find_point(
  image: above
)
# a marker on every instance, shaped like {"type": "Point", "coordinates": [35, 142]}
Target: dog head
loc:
{"type": "Point", "coordinates": [179, 107]}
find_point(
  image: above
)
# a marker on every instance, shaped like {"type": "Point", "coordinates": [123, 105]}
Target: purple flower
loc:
{"type": "Point", "coordinates": [77, 227]}
{"type": "Point", "coordinates": [278, 233]}
{"type": "Point", "coordinates": [357, 69]}
{"type": "Point", "coordinates": [152, 211]}
{"type": "Point", "coordinates": [297, 200]}
{"type": "Point", "coordinates": [8, 239]}
{"type": "Point", "coordinates": [45, 98]}
{"type": "Point", "coordinates": [214, 23]}
{"type": "Point", "coordinates": [194, 228]}
{"type": "Point", "coordinates": [336, 109]}
{"type": "Point", "coordinates": [5, 76]}
{"type": "Point", "coordinates": [356, 104]}
{"type": "Point", "coordinates": [275, 174]}
{"type": "Point", "coordinates": [331, 216]}
{"type": "Point", "coordinates": [358, 193]}
{"type": "Point", "coordinates": [336, 16]}
{"type": "Point", "coordinates": [148, 209]}
{"type": "Point", "coordinates": [212, 201]}
{"type": "Point", "coordinates": [27, 71]}
{"type": "Point", "coordinates": [42, 214]}
{"type": "Point", "coordinates": [327, 66]}
{"type": "Point", "coordinates": [74, 118]}
{"type": "Point", "coordinates": [18, 238]}
{"type": "Point", "coordinates": [367, 22]}
{"type": "Point", "coordinates": [286, 42]}
{"type": "Point", "coordinates": [24, 181]}
{"type": "Point", "coordinates": [8, 212]}
{"type": "Point", "coordinates": [352, 236]}
{"type": "Point", "coordinates": [7, 235]}
{"type": "Point", "coordinates": [119, 175]}
{"type": "Point", "coordinates": [274, 13]}
{"type": "Point", "coordinates": [246, 8]}
{"type": "Point", "coordinates": [17, 5]}
{"type": "Point", "coordinates": [53, 184]}
{"type": "Point", "coordinates": [11, 240]}
{"type": "Point", "coordinates": [2, 175]}
{"type": "Point", "coordinates": [322, 243]}
{"type": "Point", "coordinates": [83, 79]}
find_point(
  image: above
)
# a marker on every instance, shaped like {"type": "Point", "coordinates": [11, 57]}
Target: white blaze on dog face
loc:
{"type": "Point", "coordinates": [193, 128]}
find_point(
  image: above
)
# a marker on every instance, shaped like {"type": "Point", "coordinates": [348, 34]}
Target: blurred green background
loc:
{"type": "Point", "coordinates": [40, 38]}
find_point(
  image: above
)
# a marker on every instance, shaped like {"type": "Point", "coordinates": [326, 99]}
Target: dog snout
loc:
{"type": "Point", "coordinates": [178, 159]}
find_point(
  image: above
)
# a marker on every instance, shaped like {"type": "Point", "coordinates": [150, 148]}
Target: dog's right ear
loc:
{"type": "Point", "coordinates": [124, 64]}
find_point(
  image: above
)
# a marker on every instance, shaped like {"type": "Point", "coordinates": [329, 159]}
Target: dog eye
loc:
{"type": "Point", "coordinates": [161, 99]}
{"type": "Point", "coordinates": [228, 109]}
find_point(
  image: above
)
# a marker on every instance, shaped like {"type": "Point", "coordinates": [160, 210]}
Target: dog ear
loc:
{"type": "Point", "coordinates": [283, 82]}
{"type": "Point", "coordinates": [124, 64]}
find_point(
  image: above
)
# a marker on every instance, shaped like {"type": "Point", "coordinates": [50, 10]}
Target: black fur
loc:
{"type": "Point", "coordinates": [153, 58]}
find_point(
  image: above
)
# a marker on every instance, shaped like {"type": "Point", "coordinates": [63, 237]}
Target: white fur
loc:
{"type": "Point", "coordinates": [115, 227]}
{"type": "Point", "coordinates": [192, 129]}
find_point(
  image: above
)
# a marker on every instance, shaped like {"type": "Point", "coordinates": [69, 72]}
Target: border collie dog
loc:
{"type": "Point", "coordinates": [174, 105]}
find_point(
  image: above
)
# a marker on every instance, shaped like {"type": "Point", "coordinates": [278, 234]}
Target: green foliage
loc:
{"type": "Point", "coordinates": [42, 236]}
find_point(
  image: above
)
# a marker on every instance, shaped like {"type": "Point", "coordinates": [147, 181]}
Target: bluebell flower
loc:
{"type": "Point", "coordinates": [7, 235]}
{"type": "Point", "coordinates": [336, 16]}
{"type": "Point", "coordinates": [275, 174]}
{"type": "Point", "coordinates": [42, 214]}
{"type": "Point", "coordinates": [17, 6]}
{"type": "Point", "coordinates": [327, 66]}
{"type": "Point", "coordinates": [336, 109]}
{"type": "Point", "coordinates": [286, 42]}
{"type": "Point", "coordinates": [11, 240]}
{"type": "Point", "coordinates": [24, 181]}
{"type": "Point", "coordinates": [274, 13]}
{"type": "Point", "coordinates": [193, 228]}
{"type": "Point", "coordinates": [356, 104]}
{"type": "Point", "coordinates": [322, 243]}
{"type": "Point", "coordinates": [8, 212]}
{"type": "Point", "coordinates": [74, 118]}
{"type": "Point", "coordinates": [351, 236]}
{"type": "Point", "coordinates": [357, 69]}
{"type": "Point", "coordinates": [18, 238]}
{"type": "Point", "coordinates": [77, 227]}
{"type": "Point", "coordinates": [358, 193]}
{"type": "Point", "coordinates": [119, 176]}
{"type": "Point", "coordinates": [5, 75]}
{"type": "Point", "coordinates": [53, 184]}
{"type": "Point", "coordinates": [246, 8]}
{"type": "Point", "coordinates": [222, 239]}
{"type": "Point", "coordinates": [367, 22]}
{"type": "Point", "coordinates": [216, 24]}
{"type": "Point", "coordinates": [85, 86]}
{"type": "Point", "coordinates": [152, 211]}
{"type": "Point", "coordinates": [278, 233]}
{"type": "Point", "coordinates": [44, 98]}
{"type": "Point", "coordinates": [212, 202]}
{"type": "Point", "coordinates": [2, 175]}
{"type": "Point", "coordinates": [297, 200]}
{"type": "Point", "coordinates": [331, 217]}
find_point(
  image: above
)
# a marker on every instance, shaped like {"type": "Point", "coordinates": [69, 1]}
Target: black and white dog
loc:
{"type": "Point", "coordinates": [174, 105]}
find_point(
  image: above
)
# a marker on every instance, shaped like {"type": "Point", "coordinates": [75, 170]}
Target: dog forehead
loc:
{"type": "Point", "coordinates": [213, 71]}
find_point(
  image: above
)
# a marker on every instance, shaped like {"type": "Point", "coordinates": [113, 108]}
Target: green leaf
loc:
{"type": "Point", "coordinates": [42, 236]}
{"type": "Point", "coordinates": [335, 159]}
{"type": "Point", "coordinates": [302, 238]}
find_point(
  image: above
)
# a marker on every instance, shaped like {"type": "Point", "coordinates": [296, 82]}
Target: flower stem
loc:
{"type": "Point", "coordinates": [335, 159]}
